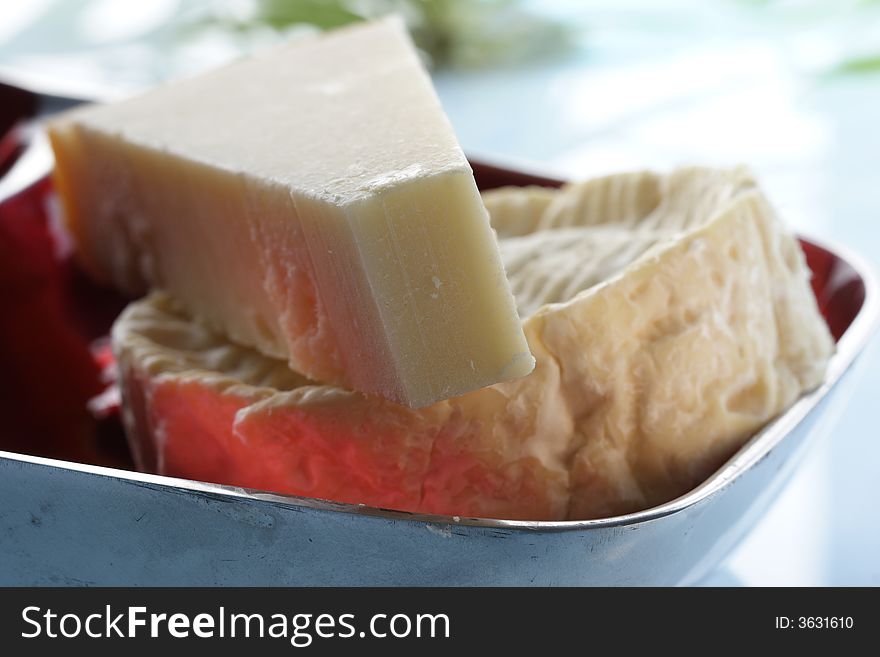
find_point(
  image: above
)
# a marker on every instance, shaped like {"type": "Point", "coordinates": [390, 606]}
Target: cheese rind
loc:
{"type": "Point", "coordinates": [645, 382]}
{"type": "Point", "coordinates": [319, 211]}
{"type": "Point", "coordinates": [516, 211]}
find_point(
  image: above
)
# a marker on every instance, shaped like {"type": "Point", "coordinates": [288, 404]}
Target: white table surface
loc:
{"type": "Point", "coordinates": [717, 83]}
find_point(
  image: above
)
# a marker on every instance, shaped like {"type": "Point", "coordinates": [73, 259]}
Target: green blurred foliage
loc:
{"type": "Point", "coordinates": [323, 14]}
{"type": "Point", "coordinates": [451, 33]}
{"type": "Point", "coordinates": [860, 65]}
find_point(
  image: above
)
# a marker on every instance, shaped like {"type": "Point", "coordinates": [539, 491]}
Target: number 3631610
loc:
{"type": "Point", "coordinates": [815, 622]}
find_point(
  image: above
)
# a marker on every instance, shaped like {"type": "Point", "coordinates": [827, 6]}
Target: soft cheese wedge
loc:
{"type": "Point", "coordinates": [668, 327]}
{"type": "Point", "coordinates": [312, 203]}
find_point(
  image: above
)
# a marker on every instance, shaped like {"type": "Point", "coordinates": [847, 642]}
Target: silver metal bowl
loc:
{"type": "Point", "coordinates": [70, 523]}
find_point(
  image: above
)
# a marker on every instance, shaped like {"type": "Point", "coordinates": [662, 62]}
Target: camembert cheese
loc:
{"type": "Point", "coordinates": [688, 324]}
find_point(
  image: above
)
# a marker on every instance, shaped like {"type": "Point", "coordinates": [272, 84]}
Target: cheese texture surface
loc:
{"type": "Point", "coordinates": [688, 324]}
{"type": "Point", "coordinates": [312, 203]}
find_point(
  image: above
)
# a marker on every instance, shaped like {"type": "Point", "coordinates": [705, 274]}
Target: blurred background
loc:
{"type": "Point", "coordinates": [578, 88]}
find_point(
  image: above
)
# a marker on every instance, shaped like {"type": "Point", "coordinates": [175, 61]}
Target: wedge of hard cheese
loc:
{"type": "Point", "coordinates": [312, 203]}
{"type": "Point", "coordinates": [667, 330]}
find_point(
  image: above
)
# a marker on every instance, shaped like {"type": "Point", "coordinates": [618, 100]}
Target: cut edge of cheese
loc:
{"type": "Point", "coordinates": [345, 233]}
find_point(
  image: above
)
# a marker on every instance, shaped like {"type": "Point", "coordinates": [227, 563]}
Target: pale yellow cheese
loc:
{"type": "Point", "coordinates": [656, 367]}
{"type": "Point", "coordinates": [558, 242]}
{"type": "Point", "coordinates": [515, 211]}
{"type": "Point", "coordinates": [311, 202]}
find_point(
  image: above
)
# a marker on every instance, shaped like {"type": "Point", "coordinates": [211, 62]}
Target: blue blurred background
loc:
{"type": "Point", "coordinates": [791, 88]}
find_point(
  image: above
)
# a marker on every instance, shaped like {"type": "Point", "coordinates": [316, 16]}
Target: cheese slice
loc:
{"type": "Point", "coordinates": [312, 203]}
{"type": "Point", "coordinates": [649, 375]}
